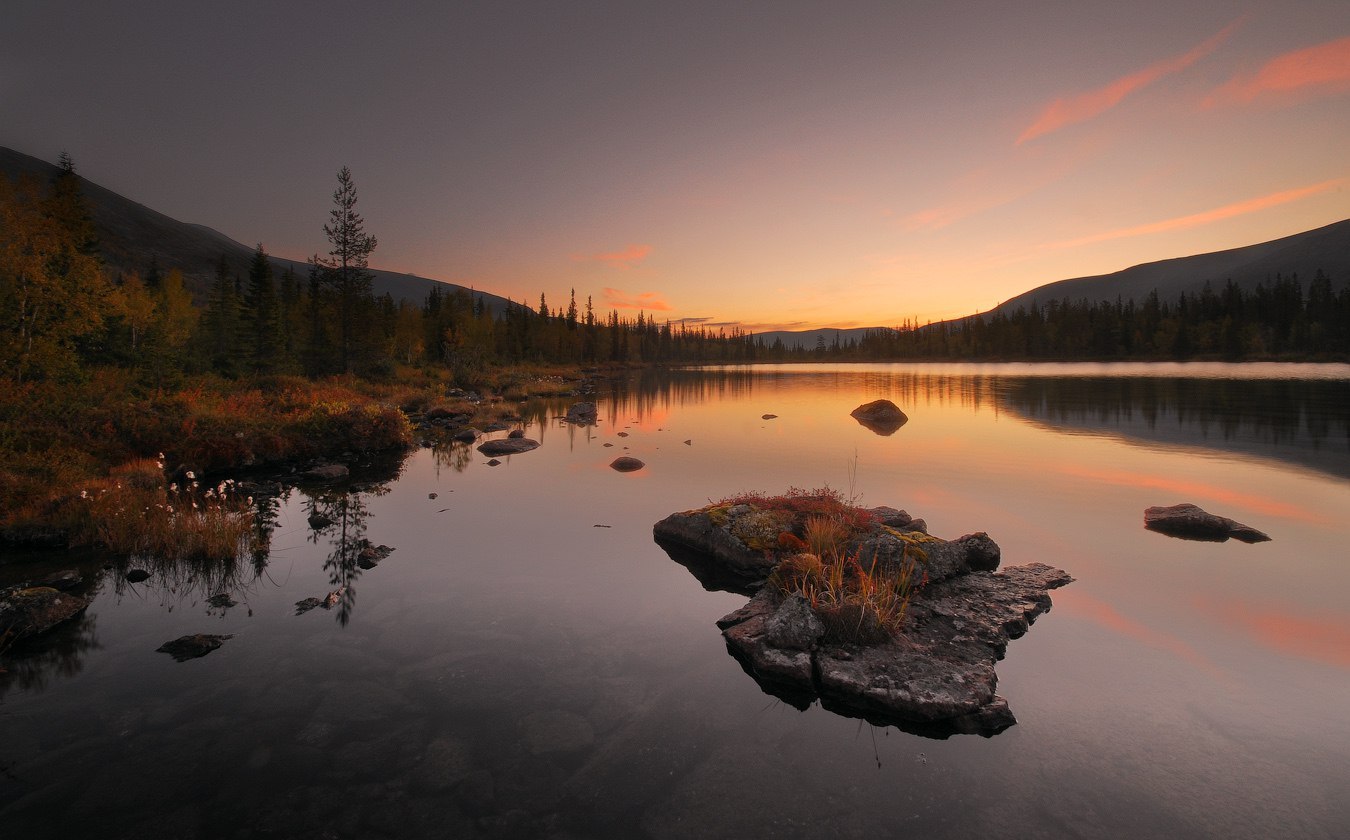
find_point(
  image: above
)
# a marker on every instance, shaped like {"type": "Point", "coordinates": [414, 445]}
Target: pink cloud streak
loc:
{"type": "Point", "coordinates": [1070, 110]}
{"type": "Point", "coordinates": [1228, 211]}
{"type": "Point", "coordinates": [619, 299]}
{"type": "Point", "coordinates": [627, 258]}
{"type": "Point", "coordinates": [1323, 68]}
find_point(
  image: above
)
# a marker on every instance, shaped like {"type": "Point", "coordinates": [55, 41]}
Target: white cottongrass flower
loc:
{"type": "Point", "coordinates": [190, 475]}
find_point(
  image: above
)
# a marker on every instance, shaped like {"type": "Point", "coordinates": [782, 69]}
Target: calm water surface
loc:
{"type": "Point", "coordinates": [528, 663]}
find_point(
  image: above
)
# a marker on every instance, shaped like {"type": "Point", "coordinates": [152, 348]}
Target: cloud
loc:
{"type": "Point", "coordinates": [1101, 613]}
{"type": "Point", "coordinates": [625, 259]}
{"type": "Point", "coordinates": [1324, 68]}
{"type": "Point", "coordinates": [1228, 211]}
{"type": "Point", "coordinates": [1071, 110]}
{"type": "Point", "coordinates": [619, 299]}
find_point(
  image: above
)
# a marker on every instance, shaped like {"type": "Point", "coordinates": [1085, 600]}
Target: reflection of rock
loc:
{"type": "Point", "coordinates": [626, 464]}
{"type": "Point", "coordinates": [190, 647]}
{"type": "Point", "coordinates": [36, 609]}
{"type": "Point", "coordinates": [582, 413]}
{"type": "Point", "coordinates": [934, 675]}
{"type": "Point", "coordinates": [1189, 522]}
{"type": "Point", "coordinates": [370, 555]}
{"type": "Point", "coordinates": [326, 472]}
{"type": "Point", "coordinates": [880, 416]}
{"type": "Point", "coordinates": [509, 446]}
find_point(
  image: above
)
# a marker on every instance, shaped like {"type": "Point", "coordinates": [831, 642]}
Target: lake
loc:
{"type": "Point", "coordinates": [529, 663]}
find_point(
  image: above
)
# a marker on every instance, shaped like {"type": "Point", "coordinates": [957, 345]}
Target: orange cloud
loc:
{"type": "Point", "coordinates": [627, 258]}
{"type": "Point", "coordinates": [619, 299]}
{"type": "Point", "coordinates": [1256, 504]}
{"type": "Point", "coordinates": [1319, 639]}
{"type": "Point", "coordinates": [1324, 68]}
{"type": "Point", "coordinates": [1228, 211]}
{"type": "Point", "coordinates": [1075, 109]}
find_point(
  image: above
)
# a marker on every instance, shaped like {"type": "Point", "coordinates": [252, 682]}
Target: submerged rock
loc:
{"type": "Point", "coordinates": [508, 446]}
{"type": "Point", "coordinates": [28, 611]}
{"type": "Point", "coordinates": [1190, 522]}
{"type": "Point", "coordinates": [319, 521]}
{"type": "Point", "coordinates": [582, 413]}
{"type": "Point", "coordinates": [191, 647]}
{"type": "Point", "coordinates": [882, 417]}
{"type": "Point", "coordinates": [626, 464]}
{"type": "Point", "coordinates": [222, 601]}
{"type": "Point", "coordinates": [930, 671]}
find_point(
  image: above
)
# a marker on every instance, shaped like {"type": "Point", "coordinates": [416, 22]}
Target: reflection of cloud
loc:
{"type": "Point", "coordinates": [1228, 211]}
{"type": "Point", "coordinates": [1102, 613]}
{"type": "Point", "coordinates": [619, 299]}
{"type": "Point", "coordinates": [1324, 68]}
{"type": "Point", "coordinates": [1084, 106]}
{"type": "Point", "coordinates": [1319, 639]}
{"type": "Point", "coordinates": [625, 259]}
{"type": "Point", "coordinates": [1257, 504]}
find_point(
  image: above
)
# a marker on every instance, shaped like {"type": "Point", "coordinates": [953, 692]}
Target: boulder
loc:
{"type": "Point", "coordinates": [466, 435]}
{"type": "Point", "coordinates": [319, 521]}
{"type": "Point", "coordinates": [64, 580]}
{"type": "Point", "coordinates": [1190, 522]}
{"type": "Point", "coordinates": [516, 433]}
{"type": "Point", "coordinates": [507, 446]}
{"type": "Point", "coordinates": [137, 575]}
{"type": "Point", "coordinates": [626, 464]}
{"type": "Point", "coordinates": [882, 417]}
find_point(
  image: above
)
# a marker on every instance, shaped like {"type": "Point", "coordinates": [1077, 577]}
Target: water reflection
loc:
{"type": "Point", "coordinates": [348, 515]}
{"type": "Point", "coordinates": [1306, 423]}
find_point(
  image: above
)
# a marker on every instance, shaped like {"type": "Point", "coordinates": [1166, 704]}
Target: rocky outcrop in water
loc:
{"type": "Point", "coordinates": [507, 446]}
{"type": "Point", "coordinates": [626, 464]}
{"type": "Point", "coordinates": [30, 610]}
{"type": "Point", "coordinates": [880, 416]}
{"type": "Point", "coordinates": [932, 673]}
{"type": "Point", "coordinates": [582, 414]}
{"type": "Point", "coordinates": [1190, 522]}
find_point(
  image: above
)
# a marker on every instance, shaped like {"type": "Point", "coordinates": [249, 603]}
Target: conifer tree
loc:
{"type": "Point", "coordinates": [345, 271]}
{"type": "Point", "coordinates": [260, 315]}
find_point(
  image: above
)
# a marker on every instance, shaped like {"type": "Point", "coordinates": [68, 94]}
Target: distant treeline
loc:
{"type": "Point", "coordinates": [60, 314]}
{"type": "Point", "coordinates": [1283, 319]}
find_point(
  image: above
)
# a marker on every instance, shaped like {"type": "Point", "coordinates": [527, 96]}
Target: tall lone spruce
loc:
{"type": "Point", "coordinates": [345, 271]}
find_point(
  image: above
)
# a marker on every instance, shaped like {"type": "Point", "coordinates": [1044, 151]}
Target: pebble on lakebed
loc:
{"type": "Point", "coordinates": [930, 672]}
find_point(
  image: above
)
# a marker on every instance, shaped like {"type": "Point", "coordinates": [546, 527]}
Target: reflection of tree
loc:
{"type": "Point", "coordinates": [347, 514]}
{"type": "Point", "coordinates": [56, 653]}
{"type": "Point", "coordinates": [1298, 421]}
{"type": "Point", "coordinates": [453, 454]}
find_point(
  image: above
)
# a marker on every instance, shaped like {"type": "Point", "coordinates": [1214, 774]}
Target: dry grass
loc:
{"type": "Point", "coordinates": [855, 604]}
{"type": "Point", "coordinates": [133, 513]}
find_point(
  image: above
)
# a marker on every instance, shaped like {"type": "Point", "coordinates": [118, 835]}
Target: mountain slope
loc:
{"type": "Point", "coordinates": [130, 234]}
{"type": "Point", "coordinates": [1326, 249]}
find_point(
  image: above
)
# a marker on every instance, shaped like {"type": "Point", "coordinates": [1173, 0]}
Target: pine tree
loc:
{"type": "Point", "coordinates": [220, 321]}
{"type": "Point", "coordinates": [345, 271]}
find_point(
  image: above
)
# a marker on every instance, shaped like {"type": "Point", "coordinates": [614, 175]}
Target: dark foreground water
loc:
{"type": "Point", "coordinates": [528, 663]}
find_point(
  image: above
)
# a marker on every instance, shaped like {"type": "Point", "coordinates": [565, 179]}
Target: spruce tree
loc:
{"type": "Point", "coordinates": [345, 271]}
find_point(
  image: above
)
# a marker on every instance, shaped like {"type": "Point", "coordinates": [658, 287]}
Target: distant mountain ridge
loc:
{"type": "Point", "coordinates": [131, 234]}
{"type": "Point", "coordinates": [1325, 249]}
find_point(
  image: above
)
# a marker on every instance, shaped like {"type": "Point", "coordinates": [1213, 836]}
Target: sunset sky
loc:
{"type": "Point", "coordinates": [779, 165]}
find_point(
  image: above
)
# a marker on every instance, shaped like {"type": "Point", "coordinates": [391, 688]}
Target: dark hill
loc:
{"type": "Point", "coordinates": [1325, 249]}
{"type": "Point", "coordinates": [131, 234]}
